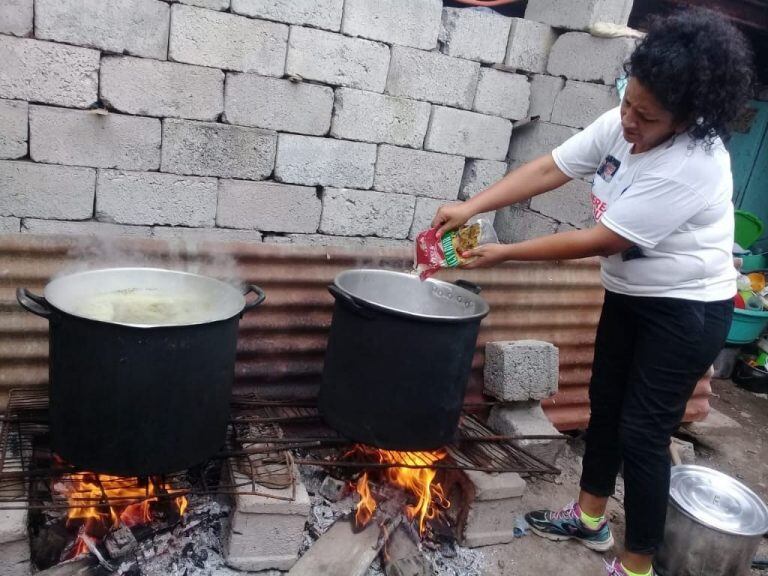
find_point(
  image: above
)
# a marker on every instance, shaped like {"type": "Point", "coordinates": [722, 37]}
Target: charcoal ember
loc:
{"type": "Point", "coordinates": [48, 543]}
{"type": "Point", "coordinates": [120, 543]}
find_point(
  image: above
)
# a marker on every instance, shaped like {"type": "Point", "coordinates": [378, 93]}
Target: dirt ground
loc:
{"type": "Point", "coordinates": [740, 450]}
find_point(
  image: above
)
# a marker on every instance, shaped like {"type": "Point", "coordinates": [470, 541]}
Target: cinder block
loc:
{"type": "Point", "coordinates": [210, 4]}
{"type": "Point", "coordinates": [373, 117]}
{"type": "Point", "coordinates": [153, 198]}
{"type": "Point", "coordinates": [570, 204]}
{"type": "Point", "coordinates": [80, 138]}
{"type": "Point", "coordinates": [685, 450]}
{"type": "Point", "coordinates": [366, 213]}
{"type": "Point", "coordinates": [474, 34]}
{"type": "Point", "coordinates": [14, 120]}
{"type": "Point", "coordinates": [491, 522]}
{"type": "Point", "coordinates": [89, 228]}
{"type": "Point", "coordinates": [227, 41]}
{"type": "Point", "coordinates": [324, 161]}
{"type": "Point", "coordinates": [351, 242]}
{"type": "Point", "coordinates": [565, 228]}
{"type": "Point", "coordinates": [517, 223]}
{"type": "Point", "coordinates": [493, 486]}
{"type": "Point", "coordinates": [336, 59]}
{"type": "Point", "coordinates": [527, 419]}
{"type": "Point", "coordinates": [324, 14]}
{"type": "Point", "coordinates": [268, 206]}
{"type": "Point", "coordinates": [162, 89]}
{"type": "Point", "coordinates": [211, 149]}
{"type": "Point", "coordinates": [15, 557]}
{"type": "Point", "coordinates": [251, 100]}
{"type": "Point", "coordinates": [502, 94]}
{"type": "Point", "coordinates": [519, 370]}
{"type": "Point", "coordinates": [579, 103]}
{"type": "Point", "coordinates": [44, 191]}
{"type": "Point", "coordinates": [580, 56]}
{"type": "Point", "coordinates": [479, 175]}
{"type": "Point", "coordinates": [418, 172]}
{"type": "Point", "coordinates": [137, 27]}
{"type": "Point", "coordinates": [529, 45]}
{"type": "Point", "coordinates": [46, 72]}
{"type": "Point", "coordinates": [536, 139]}
{"type": "Point", "coordinates": [432, 76]}
{"type": "Point", "coordinates": [16, 17]}
{"type": "Point", "coordinates": [194, 235]}
{"type": "Point", "coordinates": [468, 134]}
{"type": "Point", "coordinates": [578, 14]}
{"type": "Point", "coordinates": [414, 23]}
{"type": "Point", "coordinates": [9, 225]}
{"type": "Point", "coordinates": [425, 211]}
{"type": "Point", "coordinates": [544, 91]}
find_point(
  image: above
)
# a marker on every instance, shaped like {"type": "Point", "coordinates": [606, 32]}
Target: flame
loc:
{"type": "Point", "coordinates": [367, 505]}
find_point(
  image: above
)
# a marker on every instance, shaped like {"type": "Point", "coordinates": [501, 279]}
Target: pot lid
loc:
{"type": "Point", "coordinates": [718, 501]}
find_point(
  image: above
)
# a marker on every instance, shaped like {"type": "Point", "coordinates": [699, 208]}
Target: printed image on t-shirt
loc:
{"type": "Point", "coordinates": [608, 167]}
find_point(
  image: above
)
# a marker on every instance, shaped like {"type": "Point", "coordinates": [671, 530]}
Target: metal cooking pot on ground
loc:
{"type": "Point", "coordinates": [141, 366]}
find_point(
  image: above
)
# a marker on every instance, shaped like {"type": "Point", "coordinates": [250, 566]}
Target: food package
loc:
{"type": "Point", "coordinates": [432, 254]}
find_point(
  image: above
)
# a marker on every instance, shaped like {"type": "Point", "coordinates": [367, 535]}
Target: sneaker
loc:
{"type": "Point", "coordinates": [566, 524]}
{"type": "Point", "coordinates": [616, 569]}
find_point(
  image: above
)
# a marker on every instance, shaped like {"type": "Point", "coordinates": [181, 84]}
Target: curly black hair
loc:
{"type": "Point", "coordinates": [699, 67]}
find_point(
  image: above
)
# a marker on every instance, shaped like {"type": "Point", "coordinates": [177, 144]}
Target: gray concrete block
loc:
{"type": "Point", "coordinates": [210, 4]}
{"type": "Point", "coordinates": [502, 94]}
{"type": "Point", "coordinates": [210, 149]}
{"type": "Point", "coordinates": [544, 91]}
{"type": "Point", "coordinates": [536, 139]}
{"type": "Point", "coordinates": [44, 191]}
{"type": "Point", "coordinates": [366, 213]}
{"type": "Point", "coordinates": [14, 120]}
{"type": "Point", "coordinates": [519, 370]}
{"type": "Point", "coordinates": [491, 522]}
{"type": "Point", "coordinates": [494, 486]}
{"type": "Point", "coordinates": [474, 34]}
{"type": "Point", "coordinates": [468, 134]}
{"type": "Point", "coordinates": [324, 162]}
{"type": "Point", "coordinates": [579, 103]}
{"type": "Point", "coordinates": [372, 117]}
{"type": "Point", "coordinates": [46, 72]}
{"type": "Point", "coordinates": [163, 89]}
{"type": "Point", "coordinates": [137, 27]}
{"type": "Point", "coordinates": [685, 450]}
{"type": "Point", "coordinates": [578, 14]}
{"type": "Point", "coordinates": [88, 228]}
{"type": "Point", "coordinates": [227, 41]}
{"type": "Point", "coordinates": [336, 59]}
{"type": "Point", "coordinates": [479, 175]}
{"type": "Point", "coordinates": [517, 223]}
{"type": "Point", "coordinates": [414, 23]}
{"type": "Point", "coordinates": [16, 17]}
{"type": "Point", "coordinates": [80, 138]}
{"type": "Point", "coordinates": [275, 104]}
{"type": "Point", "coordinates": [570, 204]}
{"type": "Point", "coordinates": [14, 544]}
{"type": "Point", "coordinates": [268, 206]}
{"type": "Point", "coordinates": [418, 172]}
{"type": "Point", "coordinates": [425, 211]}
{"type": "Point", "coordinates": [527, 419]}
{"type": "Point", "coordinates": [432, 76]}
{"type": "Point", "coordinates": [529, 45]}
{"type": "Point", "coordinates": [9, 225]}
{"type": "Point", "coordinates": [152, 198]}
{"type": "Point", "coordinates": [580, 56]}
{"type": "Point", "coordinates": [351, 242]}
{"type": "Point", "coordinates": [324, 14]}
{"type": "Point", "coordinates": [565, 228]}
{"type": "Point", "coordinates": [187, 236]}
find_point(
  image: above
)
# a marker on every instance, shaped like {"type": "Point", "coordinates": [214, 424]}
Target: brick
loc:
{"type": "Point", "coordinates": [502, 94]}
{"type": "Point", "coordinates": [251, 100]}
{"type": "Point", "coordinates": [372, 117]}
{"type": "Point", "coordinates": [163, 89]}
{"type": "Point", "coordinates": [521, 370]}
{"type": "Point", "coordinates": [47, 72]}
{"type": "Point", "coordinates": [468, 134]}
{"type": "Point", "coordinates": [491, 522]}
{"type": "Point", "coordinates": [516, 223]}
{"type": "Point", "coordinates": [570, 204]}
{"type": "Point", "coordinates": [425, 211]}
{"type": "Point", "coordinates": [193, 235]}
{"type": "Point", "coordinates": [16, 17]}
{"type": "Point", "coordinates": [366, 213]}
{"type": "Point", "coordinates": [528, 46]}
{"type": "Point", "coordinates": [324, 14]}
{"type": "Point", "coordinates": [210, 149]}
{"type": "Point", "coordinates": [43, 191]}
{"type": "Point", "coordinates": [316, 161]}
{"type": "Point", "coordinates": [89, 228]}
{"type": "Point", "coordinates": [210, 4]}
{"type": "Point", "coordinates": [337, 60]}
{"type": "Point", "coordinates": [77, 137]}
{"type": "Point", "coordinates": [227, 41]}
{"type": "Point", "coordinates": [527, 419]}
{"type": "Point", "coordinates": [137, 27]}
{"type": "Point", "coordinates": [9, 224]}
{"type": "Point", "coordinates": [580, 56]}
{"type": "Point", "coordinates": [351, 242]}
{"type": "Point", "coordinates": [479, 175]}
{"type": "Point", "coordinates": [153, 198]}
{"type": "Point", "coordinates": [578, 14]}
{"type": "Point", "coordinates": [488, 486]}
{"type": "Point", "coordinates": [474, 34]}
{"type": "Point", "coordinates": [418, 172]}
{"type": "Point", "coordinates": [432, 76]}
{"type": "Point", "coordinates": [414, 23]}
{"type": "Point", "coordinates": [544, 91]}
{"type": "Point", "coordinates": [536, 139]}
{"type": "Point", "coordinates": [579, 103]}
{"type": "Point", "coordinates": [14, 120]}
{"type": "Point", "coordinates": [268, 206]}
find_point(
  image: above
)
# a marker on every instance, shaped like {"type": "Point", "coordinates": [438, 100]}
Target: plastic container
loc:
{"type": "Point", "coordinates": [753, 378]}
{"type": "Point", "coordinates": [747, 326]}
{"type": "Point", "coordinates": [748, 228]}
{"type": "Point", "coordinates": [753, 262]}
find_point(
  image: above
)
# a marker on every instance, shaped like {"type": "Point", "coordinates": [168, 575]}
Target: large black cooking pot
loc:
{"type": "Point", "coordinates": [398, 358]}
{"type": "Point", "coordinates": [141, 366]}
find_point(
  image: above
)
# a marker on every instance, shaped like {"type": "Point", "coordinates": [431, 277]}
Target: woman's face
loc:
{"type": "Point", "coordinates": [645, 122]}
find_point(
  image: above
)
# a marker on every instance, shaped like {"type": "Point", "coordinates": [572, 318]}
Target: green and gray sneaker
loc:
{"type": "Point", "coordinates": [566, 524]}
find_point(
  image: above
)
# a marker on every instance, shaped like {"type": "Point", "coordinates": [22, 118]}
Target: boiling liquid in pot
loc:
{"type": "Point", "coordinates": [144, 306]}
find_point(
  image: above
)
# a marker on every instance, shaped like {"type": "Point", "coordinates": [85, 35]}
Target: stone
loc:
{"type": "Point", "coordinates": [474, 34]}
{"type": "Point", "coordinates": [136, 27]}
{"type": "Point", "coordinates": [268, 206]}
{"type": "Point", "coordinates": [45, 191]}
{"type": "Point", "coordinates": [544, 91]}
{"type": "Point", "coordinates": [527, 419]}
{"type": "Point", "coordinates": [324, 14]}
{"type": "Point", "coordinates": [537, 139]}
{"type": "Point", "coordinates": [414, 23]}
{"type": "Point", "coordinates": [341, 551]}
{"type": "Point", "coordinates": [227, 41]}
{"type": "Point", "coordinates": [48, 73]}
{"type": "Point", "coordinates": [570, 204]}
{"type": "Point", "coordinates": [351, 242]}
{"type": "Point", "coordinates": [580, 56]}
{"type": "Point", "coordinates": [372, 117]}
{"type": "Point", "coordinates": [337, 60]}
{"type": "Point", "coordinates": [502, 94]}
{"type": "Point", "coordinates": [580, 103]}
{"type": "Point", "coordinates": [425, 211]}
{"type": "Point", "coordinates": [9, 225]}
{"type": "Point", "coordinates": [332, 489]}
{"type": "Point", "coordinates": [88, 228]}
{"type": "Point", "coordinates": [433, 77]}
{"type": "Point", "coordinates": [495, 486]}
{"type": "Point", "coordinates": [529, 45]}
{"type": "Point", "coordinates": [15, 554]}
{"type": "Point", "coordinates": [517, 223]}
{"type": "Point", "coordinates": [519, 370]}
{"type": "Point", "coordinates": [211, 149]}
{"type": "Point", "coordinates": [366, 213]}
{"type": "Point", "coordinates": [578, 14]}
{"type": "Point", "coordinates": [86, 138]}
{"type": "Point", "coordinates": [16, 17]}
{"type": "Point", "coordinates": [189, 236]}
{"type": "Point", "coordinates": [14, 121]}
{"type": "Point", "coordinates": [685, 450]}
{"type": "Point", "coordinates": [163, 89]}
{"type": "Point", "coordinates": [316, 161]}
{"type": "Point", "coordinates": [417, 172]}
{"type": "Point", "coordinates": [152, 198]}
{"type": "Point", "coordinates": [276, 104]}
{"type": "Point", "coordinates": [469, 134]}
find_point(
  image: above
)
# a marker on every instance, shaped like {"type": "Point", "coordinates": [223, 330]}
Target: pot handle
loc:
{"type": "Point", "coordinates": [351, 302]}
{"type": "Point", "coordinates": [33, 303]}
{"type": "Point", "coordinates": [467, 285]}
{"type": "Point", "coordinates": [260, 297]}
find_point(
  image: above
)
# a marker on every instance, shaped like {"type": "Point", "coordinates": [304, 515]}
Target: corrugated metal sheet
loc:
{"type": "Point", "coordinates": [281, 346]}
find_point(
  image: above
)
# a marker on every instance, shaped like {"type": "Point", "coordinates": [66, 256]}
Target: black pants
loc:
{"type": "Point", "coordinates": [649, 355]}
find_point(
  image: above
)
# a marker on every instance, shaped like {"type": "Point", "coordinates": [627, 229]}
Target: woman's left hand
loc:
{"type": "Point", "coordinates": [484, 256]}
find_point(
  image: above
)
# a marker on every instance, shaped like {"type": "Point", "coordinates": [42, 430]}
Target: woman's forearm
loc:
{"type": "Point", "coordinates": [597, 241]}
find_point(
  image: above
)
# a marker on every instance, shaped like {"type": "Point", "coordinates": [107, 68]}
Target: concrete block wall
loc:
{"type": "Point", "coordinates": [327, 122]}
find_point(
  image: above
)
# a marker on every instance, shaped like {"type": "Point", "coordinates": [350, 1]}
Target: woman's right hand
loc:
{"type": "Point", "coordinates": [450, 217]}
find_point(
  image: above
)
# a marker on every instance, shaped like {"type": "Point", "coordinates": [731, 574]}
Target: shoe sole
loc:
{"type": "Point", "coordinates": [596, 546]}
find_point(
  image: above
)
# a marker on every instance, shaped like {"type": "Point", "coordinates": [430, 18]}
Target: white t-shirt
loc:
{"type": "Point", "coordinates": [673, 202]}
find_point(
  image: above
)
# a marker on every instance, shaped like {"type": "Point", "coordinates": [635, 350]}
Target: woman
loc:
{"type": "Point", "coordinates": [662, 201]}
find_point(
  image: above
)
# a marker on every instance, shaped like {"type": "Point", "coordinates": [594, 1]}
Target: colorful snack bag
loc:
{"type": "Point", "coordinates": [431, 254]}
